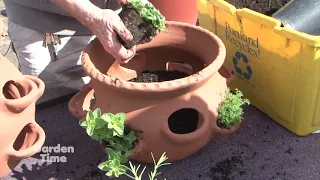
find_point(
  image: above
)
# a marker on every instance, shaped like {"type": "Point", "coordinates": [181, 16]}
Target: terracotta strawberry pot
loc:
{"type": "Point", "coordinates": [21, 136]}
{"type": "Point", "coordinates": [176, 116]}
{"type": "Point", "coordinates": [178, 10]}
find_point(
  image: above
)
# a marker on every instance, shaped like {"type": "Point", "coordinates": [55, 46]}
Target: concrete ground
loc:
{"type": "Point", "coordinates": [260, 150]}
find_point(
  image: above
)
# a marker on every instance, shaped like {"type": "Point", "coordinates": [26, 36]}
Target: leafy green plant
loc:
{"type": "Point", "coordinates": [109, 128]}
{"type": "Point", "coordinates": [150, 13]}
{"type": "Point", "coordinates": [230, 110]}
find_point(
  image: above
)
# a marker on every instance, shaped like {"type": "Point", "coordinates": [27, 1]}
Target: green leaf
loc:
{"type": "Point", "coordinates": [118, 131]}
{"type": "Point", "coordinates": [90, 130]}
{"type": "Point", "coordinates": [112, 116]}
{"type": "Point", "coordinates": [120, 117]}
{"type": "Point", "coordinates": [106, 117]}
{"type": "Point", "coordinates": [104, 166]}
{"type": "Point", "coordinates": [90, 116]}
{"type": "Point", "coordinates": [148, 12]}
{"type": "Point", "coordinates": [128, 154]}
{"type": "Point", "coordinates": [130, 137]}
{"type": "Point", "coordinates": [83, 122]}
{"type": "Point", "coordinates": [109, 173]}
{"type": "Point", "coordinates": [117, 124]}
{"type": "Point", "coordinates": [100, 123]}
{"type": "Point", "coordinates": [97, 113]}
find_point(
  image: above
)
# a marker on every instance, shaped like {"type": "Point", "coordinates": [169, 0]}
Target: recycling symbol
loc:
{"type": "Point", "coordinates": [236, 58]}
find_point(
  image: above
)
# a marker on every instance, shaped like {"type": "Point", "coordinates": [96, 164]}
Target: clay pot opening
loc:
{"type": "Point", "coordinates": [15, 90]}
{"type": "Point", "coordinates": [184, 121]}
{"type": "Point", "coordinates": [203, 51]}
{"type": "Point", "coordinates": [27, 137]}
{"type": "Point", "coordinates": [20, 94]}
{"type": "Point", "coordinates": [167, 64]}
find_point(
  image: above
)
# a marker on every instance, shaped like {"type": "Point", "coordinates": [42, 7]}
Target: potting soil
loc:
{"type": "Point", "coordinates": [158, 76]}
{"type": "Point", "coordinates": [267, 7]}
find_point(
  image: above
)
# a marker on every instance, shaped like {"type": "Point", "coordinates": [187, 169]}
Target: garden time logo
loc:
{"type": "Point", "coordinates": [52, 153]}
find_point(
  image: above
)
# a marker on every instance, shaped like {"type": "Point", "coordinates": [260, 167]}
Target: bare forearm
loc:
{"type": "Point", "coordinates": [83, 10]}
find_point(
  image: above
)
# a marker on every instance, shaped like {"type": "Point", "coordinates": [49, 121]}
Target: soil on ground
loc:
{"type": "Point", "coordinates": [225, 170]}
{"type": "Point", "coordinates": [267, 7]}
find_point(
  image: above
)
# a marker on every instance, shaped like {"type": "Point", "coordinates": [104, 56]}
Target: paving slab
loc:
{"type": "Point", "coordinates": [5, 43]}
{"type": "Point", "coordinates": [260, 149]}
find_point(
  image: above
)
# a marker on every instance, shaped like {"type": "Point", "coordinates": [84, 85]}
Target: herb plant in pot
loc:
{"type": "Point", "coordinates": [230, 109]}
{"type": "Point", "coordinates": [178, 73]}
{"type": "Point", "coordinates": [117, 141]}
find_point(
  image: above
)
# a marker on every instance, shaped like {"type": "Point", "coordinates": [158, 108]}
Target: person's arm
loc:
{"type": "Point", "coordinates": [83, 10]}
{"type": "Point", "coordinates": [104, 23]}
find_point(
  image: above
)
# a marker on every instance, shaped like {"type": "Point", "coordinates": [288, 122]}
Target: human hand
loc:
{"type": "Point", "coordinates": [107, 25]}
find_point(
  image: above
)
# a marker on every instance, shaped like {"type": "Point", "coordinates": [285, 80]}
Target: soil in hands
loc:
{"type": "Point", "coordinates": [158, 76]}
{"type": "Point", "coordinates": [140, 28]}
{"type": "Point", "coordinates": [267, 7]}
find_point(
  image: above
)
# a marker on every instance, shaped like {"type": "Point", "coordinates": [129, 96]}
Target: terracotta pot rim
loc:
{"type": "Point", "coordinates": [193, 79]}
{"type": "Point", "coordinates": [37, 88]}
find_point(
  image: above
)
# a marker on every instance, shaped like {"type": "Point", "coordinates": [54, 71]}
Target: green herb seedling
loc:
{"type": "Point", "coordinates": [109, 128]}
{"type": "Point", "coordinates": [135, 170]}
{"type": "Point", "coordinates": [150, 13]}
{"type": "Point", "coordinates": [230, 110]}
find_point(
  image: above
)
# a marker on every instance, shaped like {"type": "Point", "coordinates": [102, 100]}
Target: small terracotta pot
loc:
{"type": "Point", "coordinates": [21, 136]}
{"type": "Point", "coordinates": [148, 106]}
{"type": "Point", "coordinates": [178, 10]}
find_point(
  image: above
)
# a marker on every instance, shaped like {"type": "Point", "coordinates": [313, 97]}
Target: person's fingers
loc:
{"type": "Point", "coordinates": [119, 51]}
{"type": "Point", "coordinates": [133, 49]}
{"type": "Point", "coordinates": [122, 2]}
{"type": "Point", "coordinates": [121, 29]}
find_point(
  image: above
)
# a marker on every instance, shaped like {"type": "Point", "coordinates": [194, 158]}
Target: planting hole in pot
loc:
{"type": "Point", "coordinates": [27, 137]}
{"type": "Point", "coordinates": [159, 76]}
{"type": "Point", "coordinates": [158, 61]}
{"type": "Point", "coordinates": [14, 90]}
{"type": "Point", "coordinates": [160, 67]}
{"type": "Point", "coordinates": [184, 121]}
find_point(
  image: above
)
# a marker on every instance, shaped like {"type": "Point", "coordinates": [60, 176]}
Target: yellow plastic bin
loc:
{"type": "Point", "coordinates": [278, 69]}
